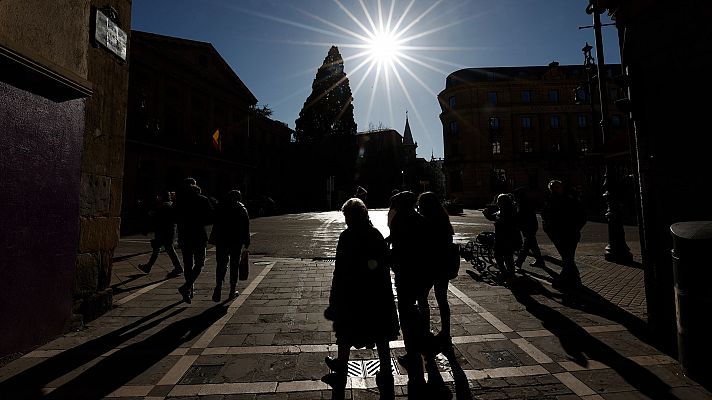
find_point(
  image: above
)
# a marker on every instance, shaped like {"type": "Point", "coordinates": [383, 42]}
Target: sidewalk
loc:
{"type": "Point", "coordinates": [270, 342]}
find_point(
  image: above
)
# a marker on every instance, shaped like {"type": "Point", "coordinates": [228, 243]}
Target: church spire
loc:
{"type": "Point", "coordinates": [407, 135]}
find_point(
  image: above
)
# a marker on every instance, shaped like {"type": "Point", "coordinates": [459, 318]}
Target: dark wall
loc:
{"type": "Point", "coordinates": [39, 214]}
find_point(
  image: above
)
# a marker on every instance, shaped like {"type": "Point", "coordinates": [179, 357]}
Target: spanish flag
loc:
{"type": "Point", "coordinates": [217, 141]}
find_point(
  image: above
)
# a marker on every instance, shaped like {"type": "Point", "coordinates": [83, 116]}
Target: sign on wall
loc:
{"type": "Point", "coordinates": [109, 35]}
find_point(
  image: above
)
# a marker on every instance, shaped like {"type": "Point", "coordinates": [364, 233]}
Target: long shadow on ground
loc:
{"type": "Point", "coordinates": [581, 345]}
{"type": "Point", "coordinates": [115, 370]}
{"type": "Point", "coordinates": [129, 362]}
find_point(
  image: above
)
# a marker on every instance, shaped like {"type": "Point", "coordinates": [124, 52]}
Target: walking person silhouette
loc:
{"type": "Point", "coordinates": [408, 239]}
{"type": "Point", "coordinates": [194, 213]}
{"type": "Point", "coordinates": [563, 217]}
{"type": "Point", "coordinates": [164, 234]}
{"type": "Point", "coordinates": [507, 237]}
{"type": "Point", "coordinates": [440, 233]}
{"type": "Point", "coordinates": [361, 303]}
{"type": "Point", "coordinates": [528, 225]}
{"type": "Point", "coordinates": [230, 235]}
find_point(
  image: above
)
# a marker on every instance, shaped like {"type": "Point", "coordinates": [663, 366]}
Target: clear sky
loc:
{"type": "Point", "coordinates": [276, 46]}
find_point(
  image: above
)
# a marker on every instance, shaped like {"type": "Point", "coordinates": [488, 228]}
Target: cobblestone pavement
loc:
{"type": "Point", "coordinates": [527, 342]}
{"type": "Point", "coordinates": [270, 342]}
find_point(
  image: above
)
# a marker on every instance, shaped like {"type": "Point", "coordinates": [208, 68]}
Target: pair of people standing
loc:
{"type": "Point", "coordinates": [361, 302]}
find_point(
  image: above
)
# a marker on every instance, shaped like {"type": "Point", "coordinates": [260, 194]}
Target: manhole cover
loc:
{"type": "Point", "coordinates": [501, 358]}
{"type": "Point", "coordinates": [367, 368]}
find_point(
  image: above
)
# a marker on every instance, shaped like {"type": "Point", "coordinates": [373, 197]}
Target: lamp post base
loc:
{"type": "Point", "coordinates": [617, 250]}
{"type": "Point", "coordinates": [618, 257]}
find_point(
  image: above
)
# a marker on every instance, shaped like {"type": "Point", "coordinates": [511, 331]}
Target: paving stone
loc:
{"type": "Point", "coordinates": [272, 367]}
{"type": "Point", "coordinates": [493, 383]}
{"type": "Point", "coordinates": [310, 366]}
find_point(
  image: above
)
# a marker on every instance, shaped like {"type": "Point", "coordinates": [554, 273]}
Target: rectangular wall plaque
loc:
{"type": "Point", "coordinates": [109, 35]}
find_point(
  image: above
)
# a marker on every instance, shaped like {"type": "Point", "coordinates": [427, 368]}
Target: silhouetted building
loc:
{"type": "Point", "coordinates": [380, 164]}
{"type": "Point", "coordinates": [431, 177]}
{"type": "Point", "coordinates": [190, 115]}
{"type": "Point", "coordinates": [386, 161]}
{"type": "Point", "coordinates": [63, 104]}
{"type": "Point", "coordinates": [509, 127]}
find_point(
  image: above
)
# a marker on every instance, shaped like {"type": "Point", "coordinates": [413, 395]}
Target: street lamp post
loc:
{"type": "Point", "coordinates": [616, 250]}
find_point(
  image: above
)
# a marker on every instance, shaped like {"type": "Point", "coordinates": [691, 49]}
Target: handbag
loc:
{"type": "Point", "coordinates": [243, 268]}
{"type": "Point", "coordinates": [453, 260]}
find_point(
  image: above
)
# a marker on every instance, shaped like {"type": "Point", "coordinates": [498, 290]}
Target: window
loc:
{"type": "Point", "coordinates": [583, 145]}
{"type": "Point", "coordinates": [554, 122]}
{"type": "Point", "coordinates": [616, 121]}
{"type": "Point", "coordinates": [554, 95]}
{"type": "Point", "coordinates": [452, 102]}
{"type": "Point", "coordinates": [527, 146]}
{"type": "Point", "coordinates": [527, 122]}
{"type": "Point", "coordinates": [582, 121]}
{"type": "Point", "coordinates": [526, 96]}
{"type": "Point", "coordinates": [496, 148]}
{"type": "Point", "coordinates": [581, 95]}
{"type": "Point", "coordinates": [494, 123]}
{"type": "Point", "coordinates": [492, 97]}
{"type": "Point", "coordinates": [491, 76]}
{"type": "Point", "coordinates": [556, 147]}
{"type": "Point", "coordinates": [454, 128]}
{"type": "Point", "coordinates": [500, 174]}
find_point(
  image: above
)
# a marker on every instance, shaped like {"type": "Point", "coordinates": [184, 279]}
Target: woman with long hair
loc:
{"type": "Point", "coordinates": [440, 233]}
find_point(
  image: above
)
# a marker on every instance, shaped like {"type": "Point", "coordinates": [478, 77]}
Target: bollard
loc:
{"type": "Point", "coordinates": [692, 268]}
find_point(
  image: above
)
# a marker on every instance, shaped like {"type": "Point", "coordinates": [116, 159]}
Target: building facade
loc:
{"type": "Point", "coordinates": [63, 99]}
{"type": "Point", "coordinates": [512, 127]}
{"type": "Point", "coordinates": [190, 115]}
{"type": "Point", "coordinates": [386, 161]}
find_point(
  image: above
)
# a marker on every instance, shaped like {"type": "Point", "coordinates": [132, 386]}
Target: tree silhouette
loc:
{"type": "Point", "coordinates": [325, 135]}
{"type": "Point", "coordinates": [328, 111]}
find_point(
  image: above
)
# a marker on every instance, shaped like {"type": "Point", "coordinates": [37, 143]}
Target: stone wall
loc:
{"type": "Point", "coordinates": [101, 173]}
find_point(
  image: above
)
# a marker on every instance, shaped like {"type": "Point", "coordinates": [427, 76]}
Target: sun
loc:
{"type": "Point", "coordinates": [383, 47]}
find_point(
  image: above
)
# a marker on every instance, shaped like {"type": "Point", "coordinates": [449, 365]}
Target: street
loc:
{"type": "Point", "coordinates": [270, 342]}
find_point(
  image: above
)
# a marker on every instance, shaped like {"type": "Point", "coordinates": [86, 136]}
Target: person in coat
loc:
{"type": "Point", "coordinates": [507, 238]}
{"type": "Point", "coordinates": [361, 303]}
{"type": "Point", "coordinates": [563, 217]}
{"type": "Point", "coordinates": [409, 243]}
{"type": "Point", "coordinates": [439, 237]}
{"type": "Point", "coordinates": [164, 234]}
{"type": "Point", "coordinates": [230, 235]}
{"type": "Point", "coordinates": [528, 225]}
{"type": "Point", "coordinates": [194, 213]}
